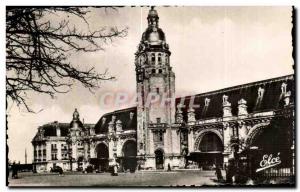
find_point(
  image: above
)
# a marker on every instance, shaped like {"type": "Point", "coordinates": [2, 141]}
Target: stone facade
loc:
{"type": "Point", "coordinates": [169, 132]}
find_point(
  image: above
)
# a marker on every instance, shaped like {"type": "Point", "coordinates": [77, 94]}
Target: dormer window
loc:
{"type": "Point", "coordinates": [283, 88]}
{"type": "Point", "coordinates": [225, 99]}
{"type": "Point", "coordinates": [206, 102]}
{"type": "Point", "coordinates": [103, 120]}
{"type": "Point", "coordinates": [260, 92]}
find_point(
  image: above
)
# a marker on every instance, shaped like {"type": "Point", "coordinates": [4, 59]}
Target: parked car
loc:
{"type": "Point", "coordinates": [89, 169]}
{"type": "Point", "coordinates": [56, 169]}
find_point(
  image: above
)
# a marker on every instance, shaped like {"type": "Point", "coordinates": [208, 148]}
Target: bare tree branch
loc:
{"type": "Point", "coordinates": [37, 51]}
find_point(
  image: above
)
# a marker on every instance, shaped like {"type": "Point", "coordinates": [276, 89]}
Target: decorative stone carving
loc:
{"type": "Point", "coordinates": [206, 102]}
{"type": "Point", "coordinates": [242, 107]}
{"type": "Point", "coordinates": [260, 92]}
{"type": "Point", "coordinates": [179, 116]}
{"type": "Point", "coordinates": [113, 118]}
{"type": "Point", "coordinates": [226, 107]}
{"type": "Point", "coordinates": [283, 88]}
{"type": "Point", "coordinates": [92, 131]}
{"type": "Point", "coordinates": [111, 127]}
{"type": "Point", "coordinates": [191, 115]}
{"type": "Point", "coordinates": [287, 98]}
{"type": "Point", "coordinates": [131, 115]}
{"type": "Point", "coordinates": [119, 126]}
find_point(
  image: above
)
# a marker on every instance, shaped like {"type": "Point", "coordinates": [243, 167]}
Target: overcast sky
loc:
{"type": "Point", "coordinates": [212, 48]}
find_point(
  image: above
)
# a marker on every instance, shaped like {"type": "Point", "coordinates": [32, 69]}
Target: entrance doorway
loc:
{"type": "Point", "coordinates": [210, 151]}
{"type": "Point", "coordinates": [129, 153]}
{"type": "Point", "coordinates": [102, 157]}
{"type": "Point", "coordinates": [159, 159]}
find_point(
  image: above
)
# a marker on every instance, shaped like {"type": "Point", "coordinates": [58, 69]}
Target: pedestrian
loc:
{"type": "Point", "coordinates": [219, 174]}
{"type": "Point", "coordinates": [169, 167]}
{"type": "Point", "coordinates": [14, 171]}
{"type": "Point", "coordinates": [114, 167]}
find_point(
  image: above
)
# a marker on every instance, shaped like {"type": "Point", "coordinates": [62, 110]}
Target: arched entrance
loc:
{"type": "Point", "coordinates": [79, 163]}
{"type": "Point", "coordinates": [129, 154]}
{"type": "Point", "coordinates": [102, 157]}
{"type": "Point", "coordinates": [209, 151]}
{"type": "Point", "coordinates": [274, 139]}
{"type": "Point", "coordinates": [159, 159]}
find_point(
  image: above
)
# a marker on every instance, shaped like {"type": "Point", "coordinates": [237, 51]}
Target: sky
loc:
{"type": "Point", "coordinates": [212, 48]}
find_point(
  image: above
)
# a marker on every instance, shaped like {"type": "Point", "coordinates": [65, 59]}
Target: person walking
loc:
{"type": "Point", "coordinates": [219, 174]}
{"type": "Point", "coordinates": [14, 171]}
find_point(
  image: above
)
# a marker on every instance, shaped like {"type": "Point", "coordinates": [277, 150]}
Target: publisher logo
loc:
{"type": "Point", "coordinates": [268, 161]}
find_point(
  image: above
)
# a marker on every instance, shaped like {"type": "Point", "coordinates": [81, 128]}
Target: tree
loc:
{"type": "Point", "coordinates": [37, 51]}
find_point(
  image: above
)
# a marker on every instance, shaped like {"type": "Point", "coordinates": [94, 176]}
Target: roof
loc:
{"type": "Point", "coordinates": [122, 115]}
{"type": "Point", "coordinates": [50, 129]}
{"type": "Point", "coordinates": [272, 98]}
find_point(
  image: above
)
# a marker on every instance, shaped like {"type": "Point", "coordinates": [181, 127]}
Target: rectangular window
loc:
{"type": "Point", "coordinates": [158, 120]}
{"type": "Point", "coordinates": [161, 136]}
{"type": "Point", "coordinates": [141, 145]}
{"type": "Point", "coordinates": [158, 136]}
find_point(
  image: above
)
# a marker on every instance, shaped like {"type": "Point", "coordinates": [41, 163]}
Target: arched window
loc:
{"type": "Point", "coordinates": [153, 58]}
{"type": "Point", "coordinates": [159, 58]}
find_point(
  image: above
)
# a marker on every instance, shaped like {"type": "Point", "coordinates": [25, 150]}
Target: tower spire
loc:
{"type": "Point", "coordinates": [152, 17]}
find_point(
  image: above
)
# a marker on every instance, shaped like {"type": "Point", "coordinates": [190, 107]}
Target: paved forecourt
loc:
{"type": "Point", "coordinates": [145, 178]}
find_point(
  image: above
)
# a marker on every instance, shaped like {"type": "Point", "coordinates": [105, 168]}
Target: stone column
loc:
{"type": "Point", "coordinates": [151, 143]}
{"type": "Point", "coordinates": [191, 141]}
{"type": "Point", "coordinates": [59, 156]}
{"type": "Point", "coordinates": [179, 116]}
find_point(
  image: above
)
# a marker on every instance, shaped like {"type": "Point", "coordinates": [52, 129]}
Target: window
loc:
{"type": "Point", "coordinates": [153, 58]}
{"type": "Point", "coordinates": [159, 58]}
{"type": "Point", "coordinates": [158, 136]}
{"type": "Point", "coordinates": [161, 136]}
{"type": "Point", "coordinates": [160, 71]}
{"type": "Point", "coordinates": [44, 152]}
{"type": "Point", "coordinates": [207, 100]}
{"type": "Point", "coordinates": [157, 90]}
{"type": "Point", "coordinates": [141, 145]}
{"type": "Point", "coordinates": [53, 146]}
{"type": "Point", "coordinates": [158, 120]}
{"type": "Point", "coordinates": [153, 71]}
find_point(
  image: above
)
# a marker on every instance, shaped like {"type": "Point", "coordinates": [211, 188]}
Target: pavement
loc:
{"type": "Point", "coordinates": [140, 178]}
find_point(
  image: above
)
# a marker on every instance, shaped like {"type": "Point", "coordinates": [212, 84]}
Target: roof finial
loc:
{"type": "Point", "coordinates": [75, 115]}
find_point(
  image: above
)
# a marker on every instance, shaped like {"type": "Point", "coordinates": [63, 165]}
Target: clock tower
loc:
{"type": "Point", "coordinates": [157, 141]}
